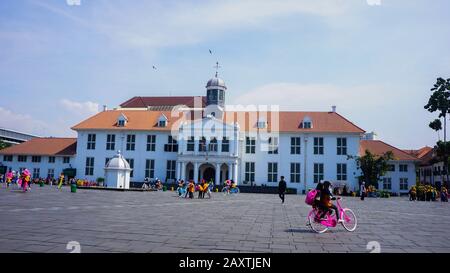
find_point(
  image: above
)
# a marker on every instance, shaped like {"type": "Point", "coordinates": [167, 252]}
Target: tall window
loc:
{"type": "Point", "coordinates": [391, 168]}
{"type": "Point", "coordinates": [202, 145]}
{"type": "Point", "coordinates": [107, 160]}
{"type": "Point", "coordinates": [273, 145]}
{"type": "Point", "coordinates": [171, 166]}
{"type": "Point", "coordinates": [51, 159]}
{"type": "Point", "coordinates": [403, 168]}
{"type": "Point", "coordinates": [318, 172]}
{"type": "Point", "coordinates": [131, 142]}
{"type": "Point", "coordinates": [342, 146]}
{"type": "Point", "coordinates": [250, 144]}
{"type": "Point", "coordinates": [131, 163]}
{"type": "Point", "coordinates": [171, 145]}
{"type": "Point", "coordinates": [36, 173]}
{"type": "Point", "coordinates": [89, 170]}
{"type": "Point", "coordinates": [66, 160]}
{"type": "Point", "coordinates": [403, 184]}
{"type": "Point", "coordinates": [51, 173]}
{"type": "Point", "coordinates": [7, 158]}
{"type": "Point", "coordinates": [318, 145]}
{"type": "Point", "coordinates": [295, 145]}
{"type": "Point", "coordinates": [341, 172]}
{"type": "Point", "coordinates": [387, 183]}
{"type": "Point", "coordinates": [190, 144]}
{"type": "Point", "coordinates": [35, 159]}
{"type": "Point", "coordinates": [272, 172]}
{"type": "Point", "coordinates": [151, 143]}
{"type": "Point", "coordinates": [225, 145]}
{"type": "Point", "coordinates": [91, 141]}
{"type": "Point", "coordinates": [110, 142]}
{"type": "Point", "coordinates": [150, 168]}
{"type": "Point", "coordinates": [213, 145]}
{"type": "Point", "coordinates": [250, 171]}
{"type": "Point", "coordinates": [22, 158]}
{"type": "Point", "coordinates": [295, 172]}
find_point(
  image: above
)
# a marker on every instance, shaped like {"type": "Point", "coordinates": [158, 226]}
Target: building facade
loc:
{"type": "Point", "coordinates": [171, 138]}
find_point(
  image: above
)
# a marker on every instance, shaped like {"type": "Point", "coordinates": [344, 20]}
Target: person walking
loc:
{"type": "Point", "coordinates": [282, 189]}
{"type": "Point", "coordinates": [363, 190]}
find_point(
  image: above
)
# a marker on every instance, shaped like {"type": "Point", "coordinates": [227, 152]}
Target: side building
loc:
{"type": "Point", "coordinates": [43, 157]}
{"type": "Point", "coordinates": [402, 169]}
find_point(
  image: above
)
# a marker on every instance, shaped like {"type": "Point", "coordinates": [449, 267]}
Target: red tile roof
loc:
{"type": "Point", "coordinates": [144, 102]}
{"type": "Point", "coordinates": [50, 146]}
{"type": "Point", "coordinates": [379, 147]}
{"type": "Point", "coordinates": [420, 152]}
{"type": "Point", "coordinates": [327, 122]}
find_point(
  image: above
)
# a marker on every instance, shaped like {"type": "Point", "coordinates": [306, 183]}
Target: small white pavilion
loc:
{"type": "Point", "coordinates": [117, 172]}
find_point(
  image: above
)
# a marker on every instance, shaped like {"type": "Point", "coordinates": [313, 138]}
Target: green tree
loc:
{"type": "Point", "coordinates": [436, 125]}
{"type": "Point", "coordinates": [4, 145]}
{"type": "Point", "coordinates": [373, 167]}
{"type": "Point", "coordinates": [439, 101]}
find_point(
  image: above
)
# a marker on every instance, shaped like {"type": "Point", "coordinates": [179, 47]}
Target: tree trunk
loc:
{"type": "Point", "coordinates": [445, 129]}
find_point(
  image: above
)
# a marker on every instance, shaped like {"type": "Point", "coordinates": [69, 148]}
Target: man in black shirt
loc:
{"type": "Point", "coordinates": [282, 189]}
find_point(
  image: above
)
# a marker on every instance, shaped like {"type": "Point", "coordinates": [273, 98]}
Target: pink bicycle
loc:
{"type": "Point", "coordinates": [320, 226]}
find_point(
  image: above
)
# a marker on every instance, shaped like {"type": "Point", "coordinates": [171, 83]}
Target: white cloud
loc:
{"type": "Point", "coordinates": [316, 97]}
{"type": "Point", "coordinates": [80, 108]}
{"type": "Point", "coordinates": [23, 123]}
{"type": "Point", "coordinates": [152, 24]}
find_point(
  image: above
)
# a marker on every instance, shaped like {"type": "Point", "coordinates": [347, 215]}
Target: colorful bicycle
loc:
{"type": "Point", "coordinates": [321, 225]}
{"type": "Point", "coordinates": [228, 190]}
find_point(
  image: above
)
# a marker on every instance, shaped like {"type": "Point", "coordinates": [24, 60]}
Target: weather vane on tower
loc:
{"type": "Point", "coordinates": [217, 66]}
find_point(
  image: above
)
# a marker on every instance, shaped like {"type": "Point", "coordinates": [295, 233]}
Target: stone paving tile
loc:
{"type": "Point", "coordinates": [46, 219]}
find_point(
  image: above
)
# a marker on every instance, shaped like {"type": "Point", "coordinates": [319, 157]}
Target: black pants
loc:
{"type": "Point", "coordinates": [281, 195]}
{"type": "Point", "coordinates": [363, 194]}
{"type": "Point", "coordinates": [326, 209]}
{"type": "Point", "coordinates": [191, 195]}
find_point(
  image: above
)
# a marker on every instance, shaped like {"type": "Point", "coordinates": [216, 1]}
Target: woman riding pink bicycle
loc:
{"type": "Point", "coordinates": [322, 217]}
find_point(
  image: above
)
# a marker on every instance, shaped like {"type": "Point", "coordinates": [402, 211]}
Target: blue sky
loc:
{"type": "Point", "coordinates": [375, 59]}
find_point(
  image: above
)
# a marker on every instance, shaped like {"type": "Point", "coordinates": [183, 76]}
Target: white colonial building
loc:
{"type": "Point", "coordinates": [198, 137]}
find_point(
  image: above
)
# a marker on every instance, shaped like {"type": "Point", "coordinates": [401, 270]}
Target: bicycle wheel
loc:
{"type": "Point", "coordinates": [314, 225]}
{"type": "Point", "coordinates": [224, 191]}
{"type": "Point", "coordinates": [234, 190]}
{"type": "Point", "coordinates": [350, 221]}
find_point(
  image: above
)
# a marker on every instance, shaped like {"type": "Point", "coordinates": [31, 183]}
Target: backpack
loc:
{"type": "Point", "coordinates": [310, 197]}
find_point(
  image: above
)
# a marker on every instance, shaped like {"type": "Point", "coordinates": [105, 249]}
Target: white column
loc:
{"type": "Point", "coordinates": [230, 171]}
{"type": "Point", "coordinates": [235, 173]}
{"type": "Point", "coordinates": [183, 170]}
{"type": "Point", "coordinates": [177, 170]}
{"type": "Point", "coordinates": [196, 172]}
{"type": "Point", "coordinates": [217, 182]}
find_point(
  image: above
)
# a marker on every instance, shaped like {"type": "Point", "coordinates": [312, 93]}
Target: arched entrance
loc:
{"type": "Point", "coordinates": [207, 172]}
{"type": "Point", "coordinates": [189, 171]}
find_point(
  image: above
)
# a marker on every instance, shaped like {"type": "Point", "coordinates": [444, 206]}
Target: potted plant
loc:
{"type": "Point", "coordinates": [100, 181]}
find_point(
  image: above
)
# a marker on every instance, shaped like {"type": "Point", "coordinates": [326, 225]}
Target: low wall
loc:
{"type": "Point", "coordinates": [242, 188]}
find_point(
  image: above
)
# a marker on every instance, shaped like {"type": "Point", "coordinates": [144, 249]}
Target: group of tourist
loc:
{"type": "Point", "coordinates": [427, 192]}
{"type": "Point", "coordinates": [22, 179]}
{"type": "Point", "coordinates": [188, 189]}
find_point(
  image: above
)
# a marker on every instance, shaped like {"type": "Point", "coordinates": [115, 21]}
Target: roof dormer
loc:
{"type": "Point", "coordinates": [261, 123]}
{"type": "Point", "coordinates": [122, 120]}
{"type": "Point", "coordinates": [162, 121]}
{"type": "Point", "coordinates": [306, 123]}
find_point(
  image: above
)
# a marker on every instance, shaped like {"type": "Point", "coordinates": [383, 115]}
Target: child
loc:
{"type": "Point", "coordinates": [325, 203]}
{"type": "Point", "coordinates": [319, 189]}
{"type": "Point", "coordinates": [191, 189]}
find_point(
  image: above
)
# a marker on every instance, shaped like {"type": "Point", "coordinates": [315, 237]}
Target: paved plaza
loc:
{"type": "Point", "coordinates": [46, 219]}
